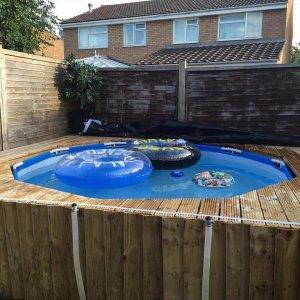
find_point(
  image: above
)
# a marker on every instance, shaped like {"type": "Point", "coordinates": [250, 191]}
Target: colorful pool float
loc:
{"type": "Point", "coordinates": [214, 179]}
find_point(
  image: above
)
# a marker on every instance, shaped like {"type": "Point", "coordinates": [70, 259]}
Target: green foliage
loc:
{"type": "Point", "coordinates": [296, 54]}
{"type": "Point", "coordinates": [23, 24]}
{"type": "Point", "coordinates": [79, 83]}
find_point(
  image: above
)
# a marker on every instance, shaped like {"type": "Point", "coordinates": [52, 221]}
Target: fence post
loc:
{"type": "Point", "coordinates": [181, 106]}
{"type": "Point", "coordinates": [3, 103]}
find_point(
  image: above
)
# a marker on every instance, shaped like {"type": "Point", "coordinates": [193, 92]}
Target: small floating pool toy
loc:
{"type": "Point", "coordinates": [105, 168]}
{"type": "Point", "coordinates": [213, 179]}
{"type": "Point", "coordinates": [177, 174]}
{"type": "Point", "coordinates": [168, 153]}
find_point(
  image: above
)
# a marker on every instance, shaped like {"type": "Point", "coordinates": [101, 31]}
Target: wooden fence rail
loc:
{"type": "Point", "coordinates": [131, 256]}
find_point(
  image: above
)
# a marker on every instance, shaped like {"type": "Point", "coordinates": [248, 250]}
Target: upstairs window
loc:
{"type": "Point", "coordinates": [134, 34]}
{"type": "Point", "coordinates": [185, 31]}
{"type": "Point", "coordinates": [93, 37]}
{"type": "Point", "coordinates": [240, 26]}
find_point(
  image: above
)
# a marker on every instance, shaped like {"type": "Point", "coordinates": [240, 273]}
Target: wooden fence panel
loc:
{"type": "Point", "coordinates": [130, 256]}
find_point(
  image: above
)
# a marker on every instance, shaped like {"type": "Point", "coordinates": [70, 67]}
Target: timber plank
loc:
{"type": "Point", "coordinates": [210, 207]}
{"type": "Point", "coordinates": [152, 258]}
{"type": "Point", "coordinates": [287, 260]}
{"type": "Point", "coordinates": [271, 206]}
{"type": "Point", "coordinates": [193, 244]}
{"type": "Point", "coordinates": [172, 241]}
{"type": "Point", "coordinates": [189, 206]}
{"type": "Point", "coordinates": [114, 249]}
{"type": "Point", "coordinates": [42, 245]}
{"type": "Point", "coordinates": [57, 219]}
{"type": "Point", "coordinates": [251, 209]}
{"type": "Point", "coordinates": [95, 254]}
{"type": "Point", "coordinates": [133, 256]}
{"type": "Point", "coordinates": [261, 263]}
{"type": "Point", "coordinates": [5, 277]}
{"type": "Point", "coordinates": [28, 250]}
{"type": "Point", "coordinates": [14, 253]}
{"type": "Point", "coordinates": [237, 261]}
{"type": "Point", "coordinates": [230, 207]}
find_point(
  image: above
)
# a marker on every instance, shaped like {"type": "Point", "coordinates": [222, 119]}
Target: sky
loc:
{"type": "Point", "coordinates": [69, 8]}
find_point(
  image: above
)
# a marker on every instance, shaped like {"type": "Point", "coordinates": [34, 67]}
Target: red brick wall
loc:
{"type": "Point", "coordinates": [160, 35]}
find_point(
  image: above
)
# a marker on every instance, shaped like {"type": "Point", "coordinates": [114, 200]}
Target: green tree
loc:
{"type": "Point", "coordinates": [296, 54]}
{"type": "Point", "coordinates": [23, 24]}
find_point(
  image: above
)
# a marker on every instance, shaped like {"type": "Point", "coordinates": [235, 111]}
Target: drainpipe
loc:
{"type": "Point", "coordinates": [76, 257]}
{"type": "Point", "coordinates": [206, 258]}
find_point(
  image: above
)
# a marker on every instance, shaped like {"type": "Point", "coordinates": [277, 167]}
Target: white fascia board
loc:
{"type": "Point", "coordinates": [202, 13]}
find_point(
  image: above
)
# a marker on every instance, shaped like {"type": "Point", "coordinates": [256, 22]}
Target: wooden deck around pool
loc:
{"type": "Point", "coordinates": [276, 205]}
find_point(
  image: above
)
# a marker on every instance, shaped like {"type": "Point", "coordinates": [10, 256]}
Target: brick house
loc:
{"type": "Point", "coordinates": [199, 31]}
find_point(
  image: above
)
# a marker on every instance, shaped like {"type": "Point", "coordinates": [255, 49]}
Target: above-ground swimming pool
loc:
{"type": "Point", "coordinates": [247, 171]}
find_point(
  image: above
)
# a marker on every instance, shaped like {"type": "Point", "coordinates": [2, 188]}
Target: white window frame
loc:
{"type": "Point", "coordinates": [246, 24]}
{"type": "Point", "coordinates": [83, 48]}
{"type": "Point", "coordinates": [134, 24]}
{"type": "Point", "coordinates": [185, 28]}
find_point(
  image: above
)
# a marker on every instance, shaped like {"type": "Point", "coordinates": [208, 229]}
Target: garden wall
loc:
{"type": "Point", "coordinates": [138, 95]}
{"type": "Point", "coordinates": [262, 99]}
{"type": "Point", "coordinates": [31, 110]}
{"type": "Point", "coordinates": [134, 256]}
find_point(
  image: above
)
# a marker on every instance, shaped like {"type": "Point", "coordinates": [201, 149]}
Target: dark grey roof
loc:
{"type": "Point", "coordinates": [160, 7]}
{"type": "Point", "coordinates": [217, 53]}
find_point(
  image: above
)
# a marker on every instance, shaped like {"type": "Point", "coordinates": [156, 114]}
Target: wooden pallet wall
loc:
{"type": "Point", "coordinates": [31, 110]}
{"type": "Point", "coordinates": [131, 256]}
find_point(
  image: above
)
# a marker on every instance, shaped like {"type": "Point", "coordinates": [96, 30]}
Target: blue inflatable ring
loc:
{"type": "Point", "coordinates": [106, 168]}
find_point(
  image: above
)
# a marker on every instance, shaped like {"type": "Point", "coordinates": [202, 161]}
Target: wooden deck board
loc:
{"type": "Point", "coordinates": [280, 202]}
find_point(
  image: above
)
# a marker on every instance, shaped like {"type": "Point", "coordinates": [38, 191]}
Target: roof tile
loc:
{"type": "Point", "coordinates": [218, 53]}
{"type": "Point", "coordinates": [159, 7]}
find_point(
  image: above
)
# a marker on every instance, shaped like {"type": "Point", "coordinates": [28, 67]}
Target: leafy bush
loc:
{"type": "Point", "coordinates": [79, 83]}
{"type": "Point", "coordinates": [296, 54]}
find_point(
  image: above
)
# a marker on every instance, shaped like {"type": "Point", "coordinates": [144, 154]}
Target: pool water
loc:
{"type": "Point", "coordinates": [250, 171]}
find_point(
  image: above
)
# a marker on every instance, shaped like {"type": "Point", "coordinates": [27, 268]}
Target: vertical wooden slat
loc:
{"type": "Point", "coordinates": [261, 263]}
{"type": "Point", "coordinates": [217, 287]}
{"type": "Point", "coordinates": [182, 111]}
{"type": "Point", "coordinates": [3, 101]}
{"type": "Point", "coordinates": [133, 254]}
{"type": "Point", "coordinates": [13, 249]}
{"type": "Point", "coordinates": [58, 218]}
{"type": "Point", "coordinates": [152, 258]}
{"type": "Point", "coordinates": [5, 284]}
{"type": "Point", "coordinates": [29, 251]}
{"type": "Point", "coordinates": [95, 256]}
{"type": "Point", "coordinates": [237, 261]}
{"type": "Point", "coordinates": [42, 244]}
{"type": "Point", "coordinates": [172, 241]}
{"type": "Point", "coordinates": [193, 243]}
{"type": "Point", "coordinates": [287, 261]}
{"type": "Point", "coordinates": [114, 260]}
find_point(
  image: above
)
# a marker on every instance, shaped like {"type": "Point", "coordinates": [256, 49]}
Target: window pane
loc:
{"type": "Point", "coordinates": [128, 28]}
{"type": "Point", "coordinates": [179, 34]}
{"type": "Point", "coordinates": [140, 37]}
{"type": "Point", "coordinates": [232, 31]}
{"type": "Point", "coordinates": [140, 26]}
{"type": "Point", "coordinates": [83, 38]}
{"type": "Point", "coordinates": [232, 18]}
{"type": "Point", "coordinates": [94, 40]}
{"type": "Point", "coordinates": [192, 33]}
{"type": "Point", "coordinates": [192, 22]}
{"type": "Point", "coordinates": [253, 24]}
